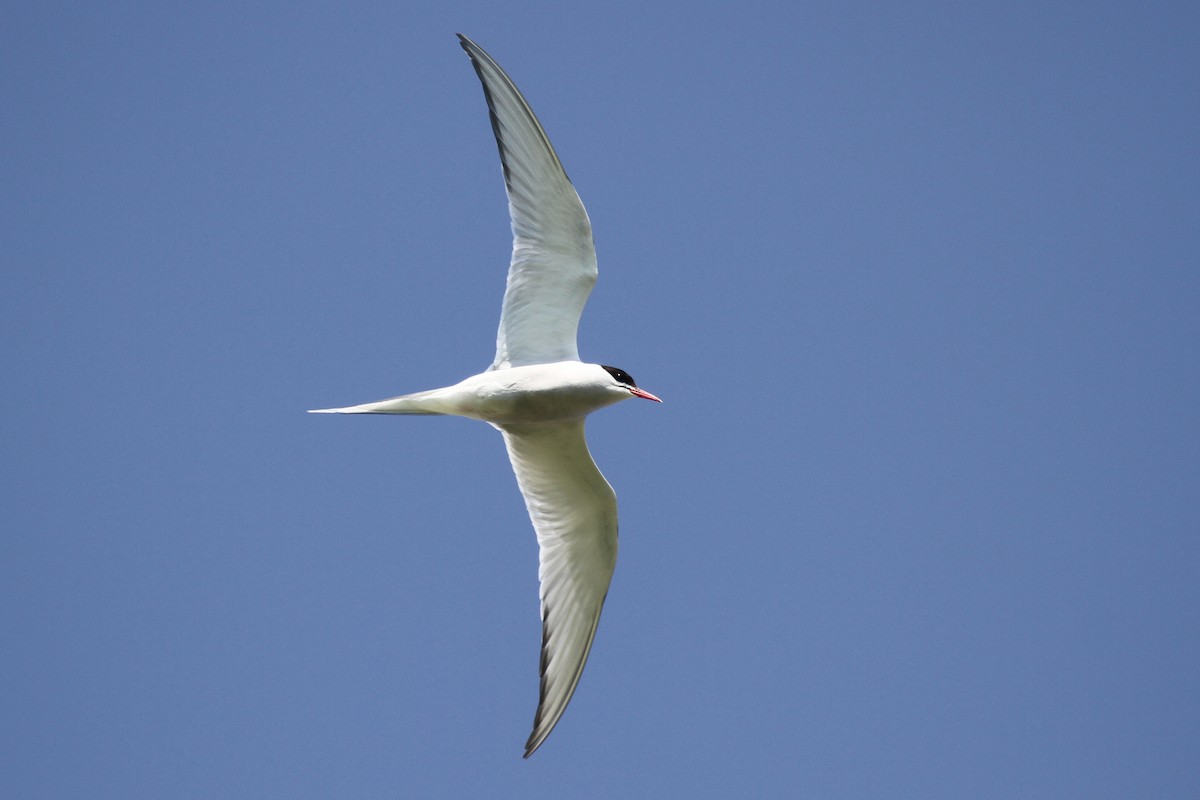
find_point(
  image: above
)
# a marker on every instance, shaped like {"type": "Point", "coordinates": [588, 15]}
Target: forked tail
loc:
{"type": "Point", "coordinates": [430, 402]}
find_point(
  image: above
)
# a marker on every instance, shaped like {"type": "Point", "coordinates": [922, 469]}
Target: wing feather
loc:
{"type": "Point", "coordinates": [574, 512]}
{"type": "Point", "coordinates": [553, 264]}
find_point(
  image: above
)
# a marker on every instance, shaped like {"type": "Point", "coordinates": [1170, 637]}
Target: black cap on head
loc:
{"type": "Point", "coordinates": [620, 375]}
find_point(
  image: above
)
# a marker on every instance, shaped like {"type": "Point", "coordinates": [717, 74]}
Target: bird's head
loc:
{"type": "Point", "coordinates": [626, 381]}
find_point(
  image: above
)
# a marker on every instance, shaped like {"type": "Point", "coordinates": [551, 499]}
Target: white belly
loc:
{"type": "Point", "coordinates": [536, 393]}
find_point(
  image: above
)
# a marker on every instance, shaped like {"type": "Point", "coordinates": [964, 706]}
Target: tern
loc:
{"type": "Point", "coordinates": [537, 392]}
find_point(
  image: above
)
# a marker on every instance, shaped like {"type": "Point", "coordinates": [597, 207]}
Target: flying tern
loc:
{"type": "Point", "coordinates": [537, 392]}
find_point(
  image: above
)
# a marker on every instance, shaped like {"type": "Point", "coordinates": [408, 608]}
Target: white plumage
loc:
{"type": "Point", "coordinates": [537, 392]}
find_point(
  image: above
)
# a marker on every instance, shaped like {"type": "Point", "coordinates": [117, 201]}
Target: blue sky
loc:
{"type": "Point", "coordinates": [918, 284]}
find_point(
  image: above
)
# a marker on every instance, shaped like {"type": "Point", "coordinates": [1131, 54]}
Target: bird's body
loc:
{"type": "Point", "coordinates": [537, 392]}
{"type": "Point", "coordinates": [517, 395]}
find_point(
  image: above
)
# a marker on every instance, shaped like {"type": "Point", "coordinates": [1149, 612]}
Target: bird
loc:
{"type": "Point", "coordinates": [537, 392]}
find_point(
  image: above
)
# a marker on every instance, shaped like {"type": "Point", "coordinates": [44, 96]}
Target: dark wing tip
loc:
{"type": "Point", "coordinates": [541, 727]}
{"type": "Point", "coordinates": [475, 52]}
{"type": "Point", "coordinates": [537, 736]}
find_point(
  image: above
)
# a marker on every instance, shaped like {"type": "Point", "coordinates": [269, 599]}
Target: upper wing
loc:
{"type": "Point", "coordinates": [574, 512]}
{"type": "Point", "coordinates": [553, 262]}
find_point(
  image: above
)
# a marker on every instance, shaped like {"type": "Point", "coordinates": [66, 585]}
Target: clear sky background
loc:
{"type": "Point", "coordinates": [919, 284]}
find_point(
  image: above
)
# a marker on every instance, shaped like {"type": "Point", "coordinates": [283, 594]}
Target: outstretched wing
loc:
{"type": "Point", "coordinates": [554, 261]}
{"type": "Point", "coordinates": [574, 512]}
